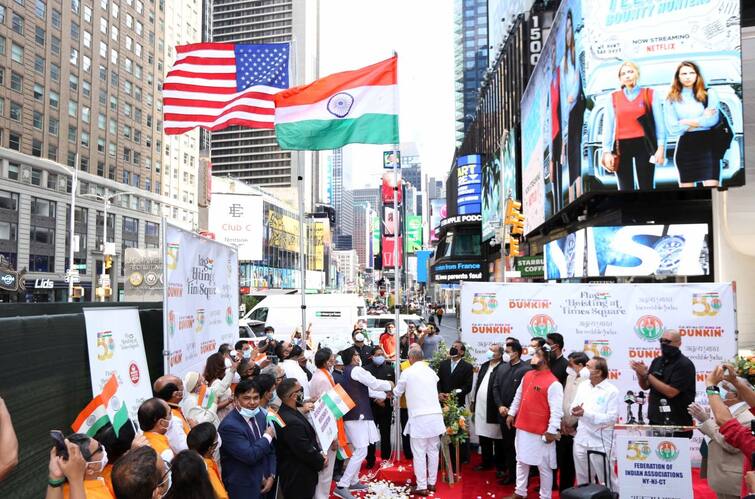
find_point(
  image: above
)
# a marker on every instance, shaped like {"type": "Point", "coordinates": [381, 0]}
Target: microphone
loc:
{"type": "Point", "coordinates": [665, 411]}
{"type": "Point", "coordinates": [629, 400]}
{"type": "Point", "coordinates": [640, 402]}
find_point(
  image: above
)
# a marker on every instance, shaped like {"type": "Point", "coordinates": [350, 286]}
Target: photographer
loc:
{"type": "Point", "coordinates": [670, 377]}
{"type": "Point", "coordinates": [735, 434]}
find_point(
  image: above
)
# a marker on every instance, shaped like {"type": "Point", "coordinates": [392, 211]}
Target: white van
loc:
{"type": "Point", "coordinates": [331, 315]}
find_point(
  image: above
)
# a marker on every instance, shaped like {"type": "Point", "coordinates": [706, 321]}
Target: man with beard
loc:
{"type": "Point", "coordinates": [536, 414]}
{"type": "Point", "coordinates": [670, 378]}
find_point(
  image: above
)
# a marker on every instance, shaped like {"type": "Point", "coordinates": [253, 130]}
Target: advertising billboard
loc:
{"type": "Point", "coordinates": [391, 159]}
{"type": "Point", "coordinates": [438, 212]}
{"type": "Point", "coordinates": [497, 172]}
{"type": "Point", "coordinates": [469, 182]}
{"type": "Point", "coordinates": [391, 221]}
{"type": "Point", "coordinates": [632, 250]}
{"type": "Point", "coordinates": [388, 252]}
{"type": "Point", "coordinates": [235, 220]}
{"type": "Point", "coordinates": [389, 182]}
{"type": "Point", "coordinates": [640, 95]}
{"type": "Point", "coordinates": [413, 233]}
{"type": "Point", "coordinates": [375, 233]}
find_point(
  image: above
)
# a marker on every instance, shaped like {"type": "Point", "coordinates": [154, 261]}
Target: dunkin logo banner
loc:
{"type": "Point", "coordinates": [620, 322]}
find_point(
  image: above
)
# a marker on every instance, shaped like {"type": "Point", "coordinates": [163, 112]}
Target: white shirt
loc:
{"type": "Point", "coordinates": [176, 435]}
{"type": "Point", "coordinates": [319, 384]}
{"type": "Point", "coordinates": [530, 448]}
{"type": "Point", "coordinates": [555, 401]}
{"type": "Point", "coordinates": [420, 383]}
{"type": "Point", "coordinates": [601, 406]}
{"type": "Point", "coordinates": [362, 433]}
{"type": "Point", "coordinates": [294, 370]}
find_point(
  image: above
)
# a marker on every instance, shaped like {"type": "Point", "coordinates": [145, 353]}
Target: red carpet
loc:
{"type": "Point", "coordinates": [483, 484]}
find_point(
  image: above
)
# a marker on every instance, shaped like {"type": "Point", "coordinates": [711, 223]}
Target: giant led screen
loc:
{"type": "Point", "coordinates": [639, 95]}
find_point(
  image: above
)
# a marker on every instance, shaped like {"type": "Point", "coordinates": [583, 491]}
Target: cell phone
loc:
{"type": "Point", "coordinates": [59, 441]}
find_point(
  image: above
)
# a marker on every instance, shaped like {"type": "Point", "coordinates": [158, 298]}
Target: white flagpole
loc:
{"type": "Point", "coordinates": [396, 455]}
{"type": "Point", "coordinates": [74, 181]}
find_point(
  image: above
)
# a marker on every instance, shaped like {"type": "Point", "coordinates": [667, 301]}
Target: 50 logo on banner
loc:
{"type": "Point", "coordinates": [705, 304]}
{"type": "Point", "coordinates": [484, 303]}
{"type": "Point", "coordinates": [105, 341]}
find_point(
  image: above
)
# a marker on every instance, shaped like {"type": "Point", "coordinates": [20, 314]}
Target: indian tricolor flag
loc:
{"type": "Point", "coordinates": [337, 401]}
{"type": "Point", "coordinates": [353, 107]}
{"type": "Point", "coordinates": [104, 407]}
{"type": "Point", "coordinates": [273, 417]}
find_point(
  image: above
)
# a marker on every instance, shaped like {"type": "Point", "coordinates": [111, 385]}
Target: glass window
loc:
{"type": "Point", "coordinates": [55, 45]}
{"type": "Point", "coordinates": [16, 81]}
{"type": "Point", "coordinates": [9, 200]}
{"type": "Point", "coordinates": [39, 92]}
{"type": "Point", "coordinates": [85, 139]}
{"type": "Point", "coordinates": [75, 4]}
{"type": "Point", "coordinates": [73, 108]}
{"type": "Point", "coordinates": [101, 121]}
{"type": "Point", "coordinates": [112, 125]}
{"type": "Point", "coordinates": [114, 33]}
{"type": "Point", "coordinates": [87, 39]}
{"type": "Point", "coordinates": [42, 207]}
{"type": "Point", "coordinates": [39, 64]}
{"type": "Point", "coordinates": [13, 173]}
{"type": "Point", "coordinates": [54, 99]}
{"type": "Point", "coordinates": [39, 35]}
{"type": "Point", "coordinates": [2, 106]}
{"type": "Point", "coordinates": [36, 150]}
{"type": "Point", "coordinates": [53, 126]}
{"type": "Point", "coordinates": [17, 23]}
{"type": "Point", "coordinates": [75, 31]}
{"type": "Point", "coordinates": [111, 148]}
{"type": "Point", "coordinates": [103, 50]}
{"type": "Point", "coordinates": [74, 59]}
{"type": "Point", "coordinates": [86, 88]}
{"type": "Point", "coordinates": [52, 152]}
{"type": "Point", "coordinates": [103, 26]}
{"type": "Point", "coordinates": [17, 53]}
{"type": "Point", "coordinates": [86, 63]}
{"type": "Point", "coordinates": [14, 142]}
{"type": "Point", "coordinates": [56, 18]}
{"type": "Point", "coordinates": [73, 132]}
{"type": "Point", "coordinates": [73, 83]}
{"type": "Point", "coordinates": [16, 111]}
{"type": "Point", "coordinates": [100, 147]}
{"type": "Point", "coordinates": [37, 120]}
{"type": "Point", "coordinates": [54, 72]}
{"type": "Point", "coordinates": [85, 114]}
{"type": "Point", "coordinates": [2, 14]}
{"type": "Point", "coordinates": [87, 14]}
{"type": "Point", "coordinates": [41, 263]}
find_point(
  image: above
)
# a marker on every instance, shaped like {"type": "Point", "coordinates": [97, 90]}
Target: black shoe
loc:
{"type": "Point", "coordinates": [370, 465]}
{"type": "Point", "coordinates": [509, 480]}
{"type": "Point", "coordinates": [500, 474]}
{"type": "Point", "coordinates": [482, 467]}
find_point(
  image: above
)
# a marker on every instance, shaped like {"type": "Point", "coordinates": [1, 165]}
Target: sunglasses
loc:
{"type": "Point", "coordinates": [664, 341]}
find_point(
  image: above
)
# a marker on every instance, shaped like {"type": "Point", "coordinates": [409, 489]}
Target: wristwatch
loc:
{"type": "Point", "coordinates": [714, 389]}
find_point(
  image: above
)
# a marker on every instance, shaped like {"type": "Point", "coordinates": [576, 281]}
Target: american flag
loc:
{"type": "Point", "coordinates": [216, 85]}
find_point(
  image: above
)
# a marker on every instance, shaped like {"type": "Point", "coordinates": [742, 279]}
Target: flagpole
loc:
{"type": "Point", "coordinates": [396, 457]}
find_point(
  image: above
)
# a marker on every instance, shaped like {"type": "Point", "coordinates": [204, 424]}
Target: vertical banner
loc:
{"type": "Point", "coordinates": [413, 233]}
{"type": "Point", "coordinates": [620, 322]}
{"type": "Point", "coordinates": [388, 245]}
{"type": "Point", "coordinates": [201, 299]}
{"type": "Point", "coordinates": [115, 346]}
{"type": "Point", "coordinates": [659, 463]}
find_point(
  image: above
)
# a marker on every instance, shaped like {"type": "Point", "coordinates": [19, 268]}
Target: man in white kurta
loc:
{"type": "Point", "coordinates": [425, 425]}
{"type": "Point", "coordinates": [539, 404]}
{"type": "Point", "coordinates": [596, 407]}
{"type": "Point", "coordinates": [486, 419]}
{"type": "Point", "coordinates": [360, 428]}
{"type": "Point", "coordinates": [293, 369]}
{"type": "Point", "coordinates": [322, 382]}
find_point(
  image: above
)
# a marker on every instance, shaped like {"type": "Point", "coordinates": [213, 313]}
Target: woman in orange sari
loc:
{"type": "Point", "coordinates": [203, 439]}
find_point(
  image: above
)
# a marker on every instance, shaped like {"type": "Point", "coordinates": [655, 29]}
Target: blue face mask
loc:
{"type": "Point", "coordinates": [249, 413]}
{"type": "Point", "coordinates": [247, 354]}
{"type": "Point", "coordinates": [378, 360]}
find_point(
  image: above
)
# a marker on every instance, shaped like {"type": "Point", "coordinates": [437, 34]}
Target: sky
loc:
{"type": "Point", "coordinates": [357, 33]}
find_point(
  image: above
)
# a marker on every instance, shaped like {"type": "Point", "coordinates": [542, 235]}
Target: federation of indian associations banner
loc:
{"type": "Point", "coordinates": [607, 106]}
{"type": "Point", "coordinates": [115, 346]}
{"type": "Point", "coordinates": [235, 219]}
{"type": "Point", "coordinates": [621, 322]}
{"type": "Point", "coordinates": [201, 299]}
{"type": "Point", "coordinates": [660, 464]}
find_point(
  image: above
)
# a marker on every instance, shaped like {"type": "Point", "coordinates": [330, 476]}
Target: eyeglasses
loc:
{"type": "Point", "coordinates": [665, 341]}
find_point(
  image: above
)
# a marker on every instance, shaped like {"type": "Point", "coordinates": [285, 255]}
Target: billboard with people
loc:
{"type": "Point", "coordinates": [498, 184]}
{"type": "Point", "coordinates": [629, 96]}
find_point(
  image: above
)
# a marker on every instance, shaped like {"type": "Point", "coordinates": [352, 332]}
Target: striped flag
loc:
{"type": "Point", "coordinates": [92, 418]}
{"type": "Point", "coordinates": [216, 85]}
{"type": "Point", "coordinates": [273, 417]}
{"type": "Point", "coordinates": [337, 401]}
{"type": "Point", "coordinates": [104, 407]}
{"type": "Point", "coordinates": [115, 406]}
{"type": "Point", "coordinates": [205, 400]}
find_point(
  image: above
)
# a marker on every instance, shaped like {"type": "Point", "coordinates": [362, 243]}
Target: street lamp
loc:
{"type": "Point", "coordinates": [106, 202]}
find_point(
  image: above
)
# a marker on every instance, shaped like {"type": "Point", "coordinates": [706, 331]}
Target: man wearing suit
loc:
{"type": "Point", "coordinates": [300, 457]}
{"type": "Point", "coordinates": [247, 458]}
{"type": "Point", "coordinates": [455, 379]}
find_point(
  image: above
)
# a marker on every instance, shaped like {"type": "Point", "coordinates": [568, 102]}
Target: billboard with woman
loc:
{"type": "Point", "coordinates": [627, 96]}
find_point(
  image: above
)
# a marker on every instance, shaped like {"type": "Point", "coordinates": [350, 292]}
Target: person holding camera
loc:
{"type": "Point", "coordinates": [724, 461]}
{"type": "Point", "coordinates": [671, 381]}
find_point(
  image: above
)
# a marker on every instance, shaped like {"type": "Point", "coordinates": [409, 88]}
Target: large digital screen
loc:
{"type": "Point", "coordinates": [633, 96]}
{"type": "Point", "coordinates": [469, 182]}
{"type": "Point", "coordinates": [498, 184]}
{"type": "Point", "coordinates": [632, 250]}
{"type": "Point", "coordinates": [438, 212]}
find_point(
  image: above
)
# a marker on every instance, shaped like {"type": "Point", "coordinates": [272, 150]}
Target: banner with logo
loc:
{"type": "Point", "coordinates": [621, 322]}
{"type": "Point", "coordinates": [413, 233]}
{"type": "Point", "coordinates": [144, 274]}
{"type": "Point", "coordinates": [235, 221]}
{"type": "Point", "coordinates": [115, 345]}
{"type": "Point", "coordinates": [660, 464]}
{"type": "Point", "coordinates": [201, 299]}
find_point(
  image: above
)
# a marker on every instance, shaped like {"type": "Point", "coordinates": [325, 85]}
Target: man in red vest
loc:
{"type": "Point", "coordinates": [539, 403]}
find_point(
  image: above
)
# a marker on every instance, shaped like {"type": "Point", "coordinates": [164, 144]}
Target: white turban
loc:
{"type": "Point", "coordinates": [190, 381]}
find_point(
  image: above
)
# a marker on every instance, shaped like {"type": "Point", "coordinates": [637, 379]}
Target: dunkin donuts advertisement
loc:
{"type": "Point", "coordinates": [620, 322]}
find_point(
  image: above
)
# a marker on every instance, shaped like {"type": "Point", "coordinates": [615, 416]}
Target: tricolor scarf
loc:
{"type": "Point", "coordinates": [344, 452]}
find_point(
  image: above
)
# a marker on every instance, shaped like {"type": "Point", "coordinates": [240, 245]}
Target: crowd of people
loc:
{"type": "Point", "coordinates": [242, 428]}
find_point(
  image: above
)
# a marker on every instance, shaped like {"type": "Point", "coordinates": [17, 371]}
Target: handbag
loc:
{"type": "Point", "coordinates": [721, 134]}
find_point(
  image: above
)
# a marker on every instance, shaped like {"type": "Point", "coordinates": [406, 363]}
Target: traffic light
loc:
{"type": "Point", "coordinates": [512, 212]}
{"type": "Point", "coordinates": [78, 292]}
{"type": "Point", "coordinates": [513, 247]}
{"type": "Point", "coordinates": [517, 224]}
{"type": "Point", "coordinates": [108, 262]}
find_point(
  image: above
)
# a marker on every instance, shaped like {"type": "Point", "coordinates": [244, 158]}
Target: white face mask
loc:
{"type": "Point", "coordinates": [506, 357]}
{"type": "Point", "coordinates": [570, 371]}
{"type": "Point", "coordinates": [228, 362]}
{"type": "Point", "coordinates": [584, 373]}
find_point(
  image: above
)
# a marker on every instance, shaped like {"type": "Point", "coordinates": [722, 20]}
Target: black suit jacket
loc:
{"type": "Point", "coordinates": [460, 379]}
{"type": "Point", "coordinates": [506, 382]}
{"type": "Point", "coordinates": [299, 456]}
{"type": "Point", "coordinates": [491, 414]}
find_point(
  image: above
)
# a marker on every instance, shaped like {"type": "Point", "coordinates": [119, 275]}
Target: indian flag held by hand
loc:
{"type": "Point", "coordinates": [337, 401]}
{"type": "Point", "coordinates": [352, 107]}
{"type": "Point", "coordinates": [104, 407]}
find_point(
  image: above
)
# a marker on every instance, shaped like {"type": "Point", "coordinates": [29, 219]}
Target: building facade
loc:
{"type": "Point", "coordinates": [180, 175]}
{"type": "Point", "coordinates": [35, 198]}
{"type": "Point", "coordinates": [362, 241]}
{"type": "Point", "coordinates": [371, 196]}
{"type": "Point", "coordinates": [471, 58]}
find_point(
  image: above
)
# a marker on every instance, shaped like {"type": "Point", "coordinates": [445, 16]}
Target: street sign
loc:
{"type": "Point", "coordinates": [104, 280]}
{"type": "Point", "coordinates": [391, 159]}
{"type": "Point", "coordinates": [529, 266]}
{"type": "Point", "coordinates": [80, 266]}
{"type": "Point", "coordinates": [74, 274]}
{"type": "Point", "coordinates": [109, 249]}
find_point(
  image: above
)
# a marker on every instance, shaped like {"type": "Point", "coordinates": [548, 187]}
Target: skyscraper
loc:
{"type": "Point", "coordinates": [253, 155]}
{"type": "Point", "coordinates": [343, 201]}
{"type": "Point", "coordinates": [471, 58]}
{"type": "Point", "coordinates": [363, 234]}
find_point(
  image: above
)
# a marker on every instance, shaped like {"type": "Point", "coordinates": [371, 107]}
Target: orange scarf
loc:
{"type": "Point", "coordinates": [215, 480]}
{"type": "Point", "coordinates": [343, 442]}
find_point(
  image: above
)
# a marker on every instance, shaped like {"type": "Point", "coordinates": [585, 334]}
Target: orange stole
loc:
{"type": "Point", "coordinates": [215, 480]}
{"type": "Point", "coordinates": [93, 489]}
{"type": "Point", "coordinates": [157, 441]}
{"type": "Point", "coordinates": [180, 415]}
{"type": "Point", "coordinates": [107, 475]}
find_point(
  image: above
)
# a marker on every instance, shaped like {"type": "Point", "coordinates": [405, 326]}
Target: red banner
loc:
{"type": "Point", "coordinates": [388, 252]}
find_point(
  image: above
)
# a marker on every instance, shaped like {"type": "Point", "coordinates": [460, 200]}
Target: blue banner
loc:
{"type": "Point", "coordinates": [469, 181]}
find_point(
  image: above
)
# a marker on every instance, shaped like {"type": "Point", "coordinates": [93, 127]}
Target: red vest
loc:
{"type": "Point", "coordinates": [628, 111]}
{"type": "Point", "coordinates": [534, 411]}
